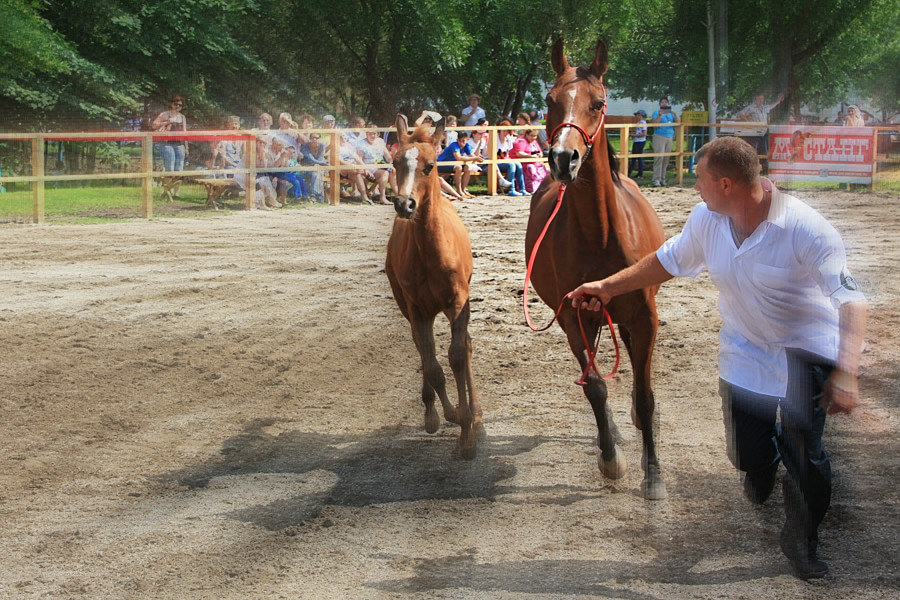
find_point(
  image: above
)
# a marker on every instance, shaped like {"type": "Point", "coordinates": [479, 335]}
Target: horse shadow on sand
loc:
{"type": "Point", "coordinates": [391, 464]}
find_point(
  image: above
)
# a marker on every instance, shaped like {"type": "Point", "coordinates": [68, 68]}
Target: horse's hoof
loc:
{"type": "Point", "coordinates": [654, 490]}
{"type": "Point", "coordinates": [467, 452]}
{"type": "Point", "coordinates": [450, 415]}
{"type": "Point", "coordinates": [615, 467]}
{"type": "Point", "coordinates": [432, 420]}
{"type": "Point", "coordinates": [478, 429]}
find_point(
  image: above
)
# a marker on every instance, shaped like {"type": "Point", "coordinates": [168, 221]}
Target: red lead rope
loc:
{"type": "Point", "coordinates": [592, 352]}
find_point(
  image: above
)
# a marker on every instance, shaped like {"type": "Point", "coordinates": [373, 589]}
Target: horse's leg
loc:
{"type": "Point", "coordinates": [433, 380]}
{"type": "Point", "coordinates": [639, 338]}
{"type": "Point", "coordinates": [611, 460]}
{"type": "Point", "coordinates": [468, 408]}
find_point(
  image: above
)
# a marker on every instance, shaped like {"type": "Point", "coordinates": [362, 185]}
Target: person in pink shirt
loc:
{"type": "Point", "coordinates": [527, 147]}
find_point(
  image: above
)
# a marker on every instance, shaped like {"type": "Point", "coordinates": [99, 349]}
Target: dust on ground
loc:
{"type": "Point", "coordinates": [229, 408]}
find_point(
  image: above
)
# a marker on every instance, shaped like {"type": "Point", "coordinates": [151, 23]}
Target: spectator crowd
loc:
{"type": "Point", "coordinates": [285, 146]}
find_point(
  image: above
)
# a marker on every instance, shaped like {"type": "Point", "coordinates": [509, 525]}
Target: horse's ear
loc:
{"type": "Point", "coordinates": [601, 61]}
{"type": "Point", "coordinates": [438, 134]}
{"type": "Point", "coordinates": [401, 125]}
{"type": "Point", "coordinates": [558, 57]}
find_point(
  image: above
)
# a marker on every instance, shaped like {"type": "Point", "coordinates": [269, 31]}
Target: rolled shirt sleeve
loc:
{"type": "Point", "coordinates": [682, 255]}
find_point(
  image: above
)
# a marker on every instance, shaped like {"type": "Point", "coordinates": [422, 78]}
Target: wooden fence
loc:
{"type": "Point", "coordinates": [147, 174]}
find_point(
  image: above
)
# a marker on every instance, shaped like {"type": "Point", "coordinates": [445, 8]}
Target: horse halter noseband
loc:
{"type": "Point", "coordinates": [588, 139]}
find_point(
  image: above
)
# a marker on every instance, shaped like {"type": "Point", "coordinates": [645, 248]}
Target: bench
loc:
{"type": "Point", "coordinates": [215, 188]}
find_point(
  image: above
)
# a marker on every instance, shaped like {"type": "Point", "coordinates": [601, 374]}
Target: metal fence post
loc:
{"type": "Point", "coordinates": [37, 170]}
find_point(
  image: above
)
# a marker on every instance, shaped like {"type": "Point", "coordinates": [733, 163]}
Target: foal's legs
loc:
{"type": "Point", "coordinates": [468, 408]}
{"type": "Point", "coordinates": [639, 339]}
{"type": "Point", "coordinates": [432, 373]}
{"type": "Point", "coordinates": [611, 460]}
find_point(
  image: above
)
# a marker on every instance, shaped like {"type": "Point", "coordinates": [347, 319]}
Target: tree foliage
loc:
{"type": "Point", "coordinates": [97, 63]}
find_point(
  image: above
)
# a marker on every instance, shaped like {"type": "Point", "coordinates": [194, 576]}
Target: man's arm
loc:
{"type": "Point", "coordinates": [842, 389]}
{"type": "Point", "coordinates": [776, 101]}
{"type": "Point", "coordinates": [646, 272]}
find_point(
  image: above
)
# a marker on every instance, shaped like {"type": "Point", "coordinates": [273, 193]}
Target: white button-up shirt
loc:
{"type": "Point", "coordinates": [780, 289]}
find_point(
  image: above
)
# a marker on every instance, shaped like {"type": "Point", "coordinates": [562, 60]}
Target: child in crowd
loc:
{"type": "Point", "coordinates": [462, 152]}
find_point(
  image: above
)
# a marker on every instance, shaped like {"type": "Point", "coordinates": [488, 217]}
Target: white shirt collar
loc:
{"type": "Point", "coordinates": [777, 205]}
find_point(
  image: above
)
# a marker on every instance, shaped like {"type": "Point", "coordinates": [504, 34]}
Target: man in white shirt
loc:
{"type": "Point", "coordinates": [758, 112]}
{"type": "Point", "coordinates": [473, 112]}
{"type": "Point", "coordinates": [793, 322]}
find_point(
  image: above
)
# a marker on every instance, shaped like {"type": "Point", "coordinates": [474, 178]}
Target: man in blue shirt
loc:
{"type": "Point", "coordinates": [663, 138]}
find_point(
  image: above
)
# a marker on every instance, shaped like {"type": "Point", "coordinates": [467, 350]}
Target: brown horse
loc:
{"type": "Point", "coordinates": [429, 265]}
{"type": "Point", "coordinates": [603, 226]}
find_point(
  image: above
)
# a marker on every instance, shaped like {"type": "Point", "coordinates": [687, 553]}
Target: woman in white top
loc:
{"type": "Point", "coordinates": [513, 176]}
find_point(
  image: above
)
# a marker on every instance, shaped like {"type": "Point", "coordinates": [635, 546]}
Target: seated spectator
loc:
{"type": "Point", "coordinates": [527, 147]}
{"type": "Point", "coordinates": [226, 154]}
{"type": "Point", "coordinates": [348, 155]}
{"type": "Point", "coordinates": [450, 136]}
{"type": "Point", "coordinates": [312, 153]}
{"type": "Point", "coordinates": [282, 155]}
{"type": "Point", "coordinates": [512, 174]}
{"type": "Point", "coordinates": [306, 123]}
{"type": "Point", "coordinates": [263, 190]}
{"type": "Point", "coordinates": [459, 151]}
{"type": "Point", "coordinates": [854, 117]}
{"type": "Point", "coordinates": [478, 147]}
{"type": "Point", "coordinates": [327, 123]}
{"type": "Point", "coordinates": [374, 152]}
{"type": "Point", "coordinates": [289, 132]}
{"type": "Point", "coordinates": [264, 122]}
{"type": "Point", "coordinates": [232, 150]}
{"type": "Point", "coordinates": [357, 136]}
{"type": "Point", "coordinates": [537, 118]}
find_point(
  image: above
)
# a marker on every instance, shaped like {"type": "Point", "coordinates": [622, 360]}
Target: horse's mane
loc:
{"type": "Point", "coordinates": [613, 162]}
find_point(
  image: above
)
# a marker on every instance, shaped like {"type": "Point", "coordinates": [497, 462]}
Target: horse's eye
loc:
{"type": "Point", "coordinates": [598, 105]}
{"type": "Point", "coordinates": [428, 167]}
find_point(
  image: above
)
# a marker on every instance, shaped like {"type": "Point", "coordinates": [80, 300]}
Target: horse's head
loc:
{"type": "Point", "coordinates": [415, 164]}
{"type": "Point", "coordinates": [575, 109]}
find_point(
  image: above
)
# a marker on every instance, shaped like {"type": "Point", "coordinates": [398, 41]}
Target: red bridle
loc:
{"type": "Point", "coordinates": [588, 139]}
{"type": "Point", "coordinates": [592, 353]}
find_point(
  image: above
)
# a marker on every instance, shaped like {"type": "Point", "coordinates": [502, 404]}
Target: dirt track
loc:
{"type": "Point", "coordinates": [228, 408]}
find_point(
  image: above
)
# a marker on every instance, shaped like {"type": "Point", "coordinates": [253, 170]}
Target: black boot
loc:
{"type": "Point", "coordinates": [800, 540]}
{"type": "Point", "coordinates": [758, 485]}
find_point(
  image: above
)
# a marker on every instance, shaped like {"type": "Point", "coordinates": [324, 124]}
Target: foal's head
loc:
{"type": "Point", "coordinates": [579, 98]}
{"type": "Point", "coordinates": [416, 165]}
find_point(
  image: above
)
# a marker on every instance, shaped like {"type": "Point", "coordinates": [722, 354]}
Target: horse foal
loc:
{"type": "Point", "coordinates": [429, 266]}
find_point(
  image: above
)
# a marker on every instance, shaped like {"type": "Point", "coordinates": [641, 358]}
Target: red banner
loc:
{"type": "Point", "coordinates": [821, 153]}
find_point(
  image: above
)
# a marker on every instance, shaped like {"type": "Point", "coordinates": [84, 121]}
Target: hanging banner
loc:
{"type": "Point", "coordinates": [821, 153]}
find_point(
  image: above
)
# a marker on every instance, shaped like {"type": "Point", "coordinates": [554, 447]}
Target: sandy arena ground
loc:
{"type": "Point", "coordinates": [228, 408]}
